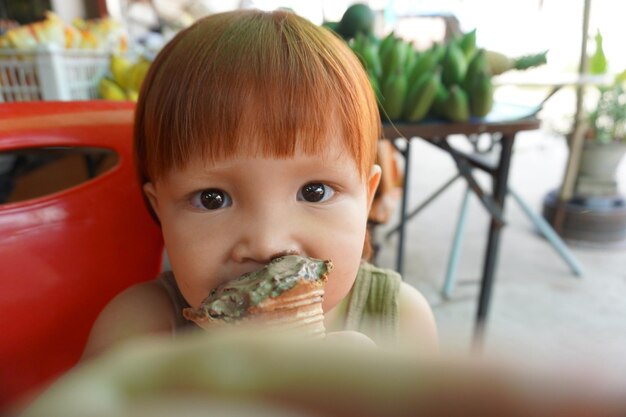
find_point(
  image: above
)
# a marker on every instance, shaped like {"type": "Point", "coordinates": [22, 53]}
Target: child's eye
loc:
{"type": "Point", "coordinates": [211, 199]}
{"type": "Point", "coordinates": [315, 192]}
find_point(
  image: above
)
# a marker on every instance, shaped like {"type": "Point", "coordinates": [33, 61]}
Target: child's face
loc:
{"type": "Point", "coordinates": [222, 220]}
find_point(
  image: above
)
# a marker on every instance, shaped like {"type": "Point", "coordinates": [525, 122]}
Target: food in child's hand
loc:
{"type": "Point", "coordinates": [287, 294]}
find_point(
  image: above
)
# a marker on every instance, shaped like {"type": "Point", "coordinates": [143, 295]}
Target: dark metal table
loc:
{"type": "Point", "coordinates": [438, 135]}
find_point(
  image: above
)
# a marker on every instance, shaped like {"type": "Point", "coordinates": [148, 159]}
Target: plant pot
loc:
{"type": "Point", "coordinates": [598, 168]}
{"type": "Point", "coordinates": [591, 221]}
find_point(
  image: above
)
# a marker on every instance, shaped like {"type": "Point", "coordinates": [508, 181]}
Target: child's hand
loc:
{"type": "Point", "coordinates": [350, 337]}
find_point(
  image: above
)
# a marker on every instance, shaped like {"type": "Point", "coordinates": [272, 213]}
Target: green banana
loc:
{"type": "Point", "coordinates": [367, 52]}
{"type": "Point", "coordinates": [394, 94]}
{"type": "Point", "coordinates": [421, 96]}
{"type": "Point", "coordinates": [411, 59]}
{"type": "Point", "coordinates": [477, 65]}
{"type": "Point", "coordinates": [372, 60]}
{"type": "Point", "coordinates": [425, 63]}
{"type": "Point", "coordinates": [456, 106]}
{"type": "Point", "coordinates": [386, 44]}
{"type": "Point", "coordinates": [467, 44]}
{"type": "Point", "coordinates": [393, 62]}
{"type": "Point", "coordinates": [438, 51]}
{"type": "Point", "coordinates": [454, 65]}
{"type": "Point", "coordinates": [441, 96]}
{"type": "Point", "coordinates": [481, 95]}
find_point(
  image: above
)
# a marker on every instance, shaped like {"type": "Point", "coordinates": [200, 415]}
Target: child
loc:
{"type": "Point", "coordinates": [256, 136]}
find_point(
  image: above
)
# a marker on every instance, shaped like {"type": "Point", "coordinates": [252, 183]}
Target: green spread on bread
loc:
{"type": "Point", "coordinates": [232, 300]}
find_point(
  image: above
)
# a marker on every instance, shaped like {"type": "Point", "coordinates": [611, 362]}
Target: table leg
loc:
{"type": "Point", "coordinates": [453, 260]}
{"type": "Point", "coordinates": [465, 170]}
{"type": "Point", "coordinates": [500, 185]}
{"type": "Point", "coordinates": [405, 187]}
{"type": "Point", "coordinates": [548, 232]}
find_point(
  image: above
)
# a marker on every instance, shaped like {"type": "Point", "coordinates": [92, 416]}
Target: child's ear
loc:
{"type": "Point", "coordinates": [372, 184]}
{"type": "Point", "coordinates": [150, 192]}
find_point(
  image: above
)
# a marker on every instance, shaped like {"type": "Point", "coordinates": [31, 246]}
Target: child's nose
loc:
{"type": "Point", "coordinates": [264, 238]}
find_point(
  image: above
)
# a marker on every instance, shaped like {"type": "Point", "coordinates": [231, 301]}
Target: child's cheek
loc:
{"type": "Point", "coordinates": [344, 246]}
{"type": "Point", "coordinates": [195, 255]}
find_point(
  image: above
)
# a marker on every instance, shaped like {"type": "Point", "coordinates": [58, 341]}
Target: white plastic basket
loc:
{"type": "Point", "coordinates": [49, 73]}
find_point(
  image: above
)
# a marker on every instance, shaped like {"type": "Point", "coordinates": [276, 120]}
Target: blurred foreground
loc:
{"type": "Point", "coordinates": [248, 374]}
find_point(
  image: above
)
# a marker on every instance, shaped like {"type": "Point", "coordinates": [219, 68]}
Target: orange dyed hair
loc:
{"type": "Point", "coordinates": [252, 80]}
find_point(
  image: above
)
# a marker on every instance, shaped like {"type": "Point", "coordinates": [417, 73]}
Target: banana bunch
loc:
{"type": "Point", "coordinates": [125, 80]}
{"type": "Point", "coordinates": [468, 88]}
{"type": "Point", "coordinates": [405, 86]}
{"type": "Point", "coordinates": [451, 81]}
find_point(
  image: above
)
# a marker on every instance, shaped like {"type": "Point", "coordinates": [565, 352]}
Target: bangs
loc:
{"type": "Point", "coordinates": [262, 84]}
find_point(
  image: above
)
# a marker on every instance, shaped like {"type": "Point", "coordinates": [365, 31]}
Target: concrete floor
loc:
{"type": "Point", "coordinates": [540, 311]}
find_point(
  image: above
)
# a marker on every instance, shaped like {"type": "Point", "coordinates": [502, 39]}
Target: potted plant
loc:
{"type": "Point", "coordinates": [604, 130]}
{"type": "Point", "coordinates": [605, 144]}
{"type": "Point", "coordinates": [596, 213]}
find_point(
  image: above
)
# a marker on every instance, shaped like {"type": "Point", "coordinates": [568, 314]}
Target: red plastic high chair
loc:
{"type": "Point", "coordinates": [65, 255]}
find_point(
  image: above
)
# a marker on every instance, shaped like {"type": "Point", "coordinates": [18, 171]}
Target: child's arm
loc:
{"type": "Point", "coordinates": [141, 309]}
{"type": "Point", "coordinates": [418, 330]}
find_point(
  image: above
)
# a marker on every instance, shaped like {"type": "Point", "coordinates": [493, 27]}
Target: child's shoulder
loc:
{"type": "Point", "coordinates": [416, 320]}
{"type": "Point", "coordinates": [141, 309]}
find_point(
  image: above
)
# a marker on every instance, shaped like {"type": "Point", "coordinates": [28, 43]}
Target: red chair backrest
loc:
{"type": "Point", "coordinates": [65, 255]}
